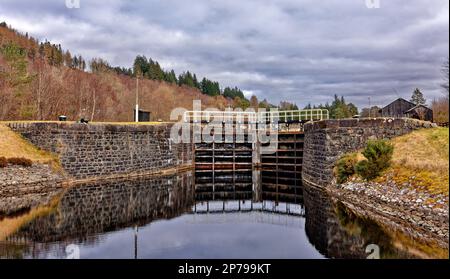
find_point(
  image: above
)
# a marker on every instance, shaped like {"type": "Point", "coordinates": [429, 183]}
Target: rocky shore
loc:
{"type": "Point", "coordinates": [22, 188]}
{"type": "Point", "coordinates": [419, 215]}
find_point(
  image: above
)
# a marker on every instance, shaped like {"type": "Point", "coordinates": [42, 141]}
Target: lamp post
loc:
{"type": "Point", "coordinates": [137, 100]}
{"type": "Point", "coordinates": [136, 231]}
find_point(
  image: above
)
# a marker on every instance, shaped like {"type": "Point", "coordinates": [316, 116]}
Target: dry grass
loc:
{"type": "Point", "coordinates": [421, 159]}
{"type": "Point", "coordinates": [426, 149]}
{"type": "Point", "coordinates": [10, 225]}
{"type": "Point", "coordinates": [422, 250]}
{"type": "Point", "coordinates": [12, 145]}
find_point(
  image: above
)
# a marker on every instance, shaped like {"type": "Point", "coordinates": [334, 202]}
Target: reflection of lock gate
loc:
{"type": "Point", "coordinates": [265, 212]}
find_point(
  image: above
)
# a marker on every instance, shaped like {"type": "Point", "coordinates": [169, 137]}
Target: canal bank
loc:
{"type": "Point", "coordinates": [400, 211]}
{"type": "Point", "coordinates": [105, 151]}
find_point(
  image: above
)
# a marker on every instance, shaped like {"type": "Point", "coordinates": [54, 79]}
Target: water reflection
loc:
{"type": "Point", "coordinates": [247, 214]}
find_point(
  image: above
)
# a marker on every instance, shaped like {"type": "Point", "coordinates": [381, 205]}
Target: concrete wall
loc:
{"type": "Point", "coordinates": [326, 141]}
{"type": "Point", "coordinates": [98, 150]}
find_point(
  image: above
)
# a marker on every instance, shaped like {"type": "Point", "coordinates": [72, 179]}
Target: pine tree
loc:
{"type": "Point", "coordinates": [140, 66]}
{"type": "Point", "coordinates": [417, 97]}
{"type": "Point", "coordinates": [171, 77]}
{"type": "Point", "coordinates": [75, 62]}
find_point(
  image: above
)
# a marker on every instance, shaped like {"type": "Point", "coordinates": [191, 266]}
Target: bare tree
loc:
{"type": "Point", "coordinates": [445, 74]}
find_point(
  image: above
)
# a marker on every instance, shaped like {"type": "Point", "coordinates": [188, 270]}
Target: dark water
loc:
{"type": "Point", "coordinates": [194, 216]}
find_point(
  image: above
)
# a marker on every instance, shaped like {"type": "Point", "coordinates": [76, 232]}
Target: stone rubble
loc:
{"type": "Point", "coordinates": [425, 212]}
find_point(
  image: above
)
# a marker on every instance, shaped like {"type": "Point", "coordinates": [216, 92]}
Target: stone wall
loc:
{"type": "Point", "coordinates": [23, 188]}
{"type": "Point", "coordinates": [99, 150]}
{"type": "Point", "coordinates": [326, 141]}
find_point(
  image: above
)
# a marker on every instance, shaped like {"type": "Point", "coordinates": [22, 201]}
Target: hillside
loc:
{"type": "Point", "coordinates": [37, 83]}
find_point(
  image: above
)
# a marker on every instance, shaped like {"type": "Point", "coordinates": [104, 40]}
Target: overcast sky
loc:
{"type": "Point", "coordinates": [298, 50]}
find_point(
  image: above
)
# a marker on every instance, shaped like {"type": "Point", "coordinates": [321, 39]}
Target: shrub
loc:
{"type": "Point", "coordinates": [20, 162]}
{"type": "Point", "coordinates": [3, 162]}
{"type": "Point", "coordinates": [345, 167]}
{"type": "Point", "coordinates": [379, 155]}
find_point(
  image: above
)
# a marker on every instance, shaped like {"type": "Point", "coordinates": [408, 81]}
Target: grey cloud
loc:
{"type": "Point", "coordinates": [303, 51]}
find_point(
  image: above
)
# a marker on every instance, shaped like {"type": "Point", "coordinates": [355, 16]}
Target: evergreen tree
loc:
{"type": "Point", "coordinates": [154, 71]}
{"type": "Point", "coordinates": [232, 93]}
{"type": "Point", "coordinates": [340, 109]}
{"type": "Point", "coordinates": [353, 110]}
{"type": "Point", "coordinates": [140, 66]}
{"type": "Point", "coordinates": [417, 97]}
{"type": "Point", "coordinates": [75, 63]}
{"type": "Point", "coordinates": [171, 77]}
{"type": "Point", "coordinates": [186, 79]}
{"type": "Point", "coordinates": [196, 83]}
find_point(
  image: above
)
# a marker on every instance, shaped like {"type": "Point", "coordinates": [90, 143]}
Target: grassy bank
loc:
{"type": "Point", "coordinates": [12, 145]}
{"type": "Point", "coordinates": [421, 160]}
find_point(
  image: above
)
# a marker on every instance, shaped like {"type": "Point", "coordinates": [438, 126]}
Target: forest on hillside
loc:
{"type": "Point", "coordinates": [40, 81]}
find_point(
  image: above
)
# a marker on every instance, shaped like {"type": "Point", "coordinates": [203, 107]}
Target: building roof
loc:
{"type": "Point", "coordinates": [401, 99]}
{"type": "Point", "coordinates": [415, 107]}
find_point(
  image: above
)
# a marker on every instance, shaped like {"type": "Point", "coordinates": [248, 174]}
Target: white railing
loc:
{"type": "Point", "coordinates": [257, 117]}
{"type": "Point", "coordinates": [221, 116]}
{"type": "Point", "coordinates": [295, 115]}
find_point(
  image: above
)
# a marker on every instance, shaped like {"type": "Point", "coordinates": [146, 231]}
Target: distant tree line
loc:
{"type": "Point", "coordinates": [151, 69]}
{"type": "Point", "coordinates": [148, 68]}
{"type": "Point", "coordinates": [339, 108]}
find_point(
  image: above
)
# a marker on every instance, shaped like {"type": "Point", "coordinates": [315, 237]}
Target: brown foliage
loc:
{"type": "Point", "coordinates": [441, 110]}
{"type": "Point", "coordinates": [20, 162]}
{"type": "Point", "coordinates": [107, 96]}
{"type": "Point", "coordinates": [100, 96]}
{"type": "Point", "coordinates": [3, 162]}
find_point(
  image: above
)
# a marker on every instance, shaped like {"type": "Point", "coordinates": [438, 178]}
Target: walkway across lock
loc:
{"type": "Point", "coordinates": [262, 117]}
